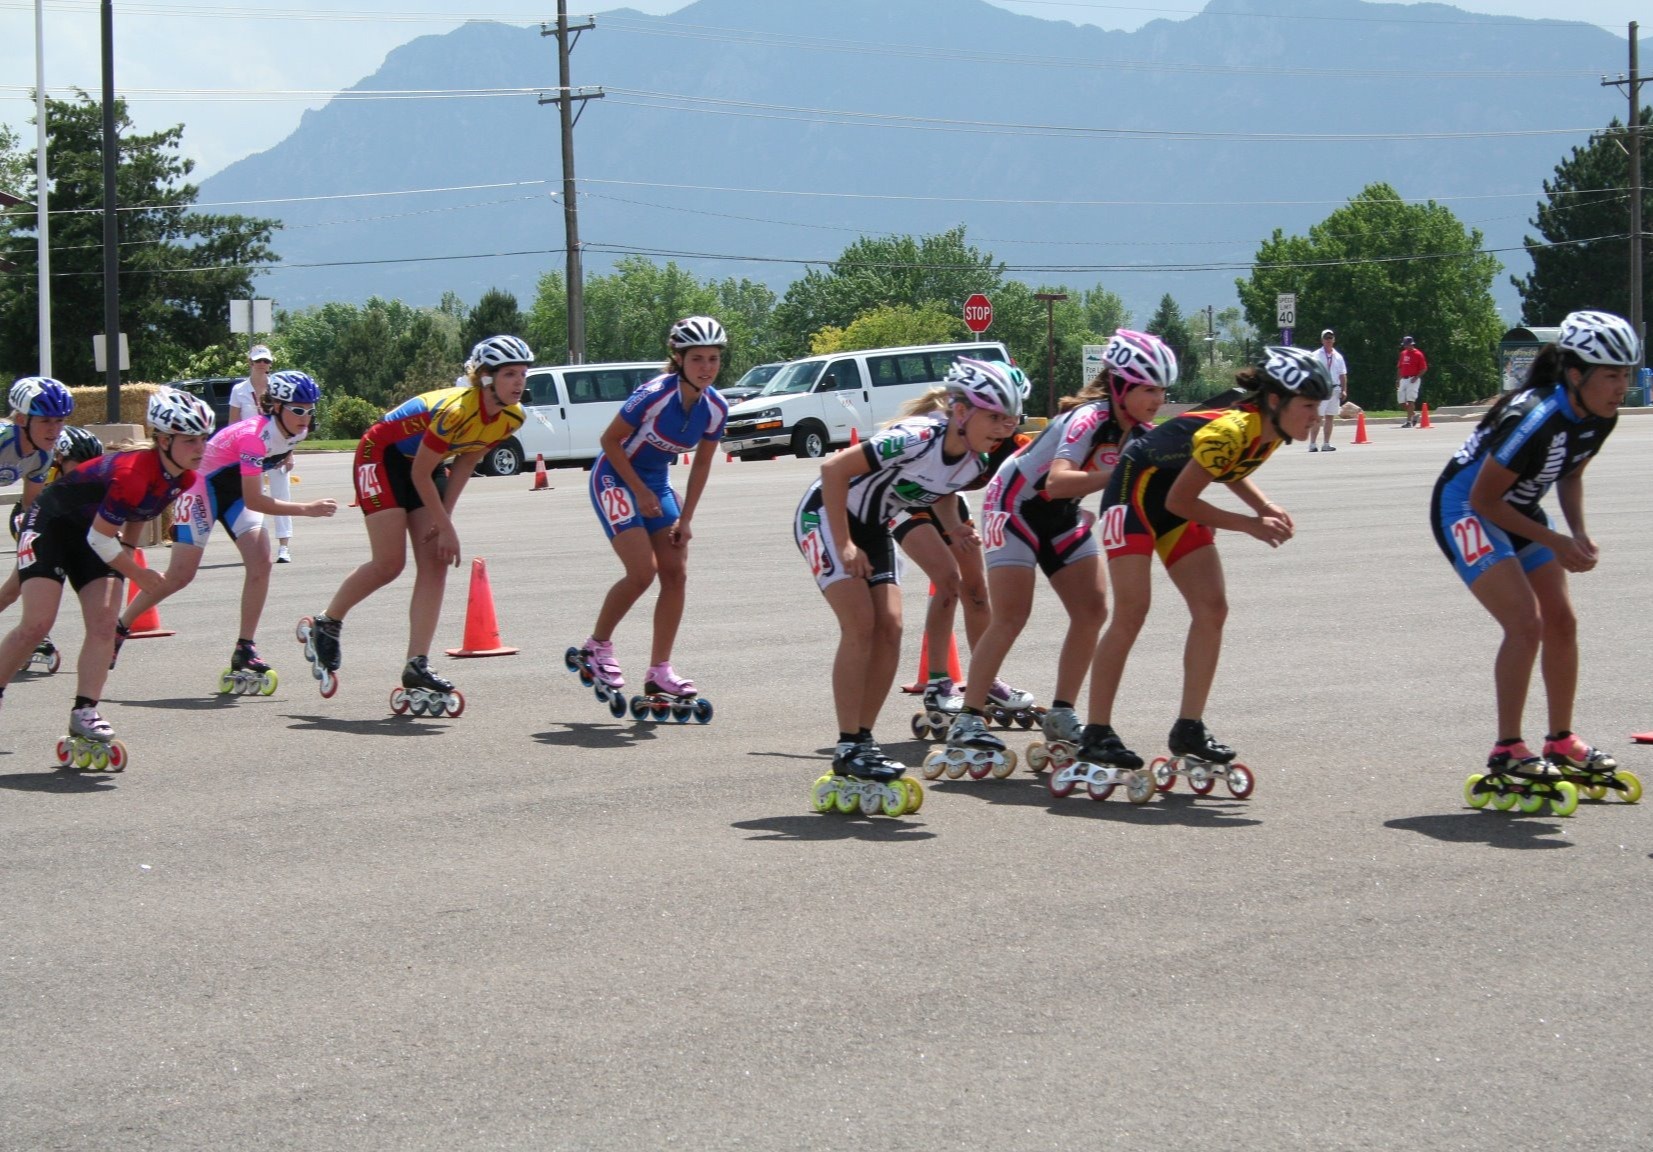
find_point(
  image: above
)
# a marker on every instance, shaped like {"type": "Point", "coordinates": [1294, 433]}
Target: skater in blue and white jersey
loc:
{"type": "Point", "coordinates": [940, 446]}
{"type": "Point", "coordinates": [677, 412]}
{"type": "Point", "coordinates": [1487, 519]}
{"type": "Point", "coordinates": [40, 407]}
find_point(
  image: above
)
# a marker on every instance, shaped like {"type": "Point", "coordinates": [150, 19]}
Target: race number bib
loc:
{"type": "Point", "coordinates": [992, 537]}
{"type": "Point", "coordinates": [1471, 538]}
{"type": "Point", "coordinates": [616, 503]}
{"type": "Point", "coordinates": [25, 549]}
{"type": "Point", "coordinates": [184, 510]}
{"type": "Point", "coordinates": [367, 479]}
{"type": "Point", "coordinates": [1113, 527]}
{"type": "Point", "coordinates": [814, 550]}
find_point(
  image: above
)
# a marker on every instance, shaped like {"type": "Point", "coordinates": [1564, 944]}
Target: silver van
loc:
{"type": "Point", "coordinates": [566, 410]}
{"type": "Point", "coordinates": [810, 405]}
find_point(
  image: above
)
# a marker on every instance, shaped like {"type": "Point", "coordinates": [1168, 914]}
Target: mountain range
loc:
{"type": "Point", "coordinates": [743, 137]}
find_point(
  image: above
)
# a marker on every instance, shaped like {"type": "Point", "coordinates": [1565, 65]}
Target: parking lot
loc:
{"type": "Point", "coordinates": [298, 923]}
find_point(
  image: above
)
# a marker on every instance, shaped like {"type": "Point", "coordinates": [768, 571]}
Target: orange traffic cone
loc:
{"type": "Point", "coordinates": [854, 436]}
{"type": "Point", "coordinates": [953, 670]}
{"type": "Point", "coordinates": [481, 627]}
{"type": "Point", "coordinates": [542, 482]}
{"type": "Point", "coordinates": [148, 625]}
{"type": "Point", "coordinates": [1424, 423]}
{"type": "Point", "coordinates": [1360, 429]}
{"type": "Point", "coordinates": [1643, 737]}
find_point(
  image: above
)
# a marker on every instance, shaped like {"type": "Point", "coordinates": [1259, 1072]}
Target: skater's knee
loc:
{"type": "Point", "coordinates": [673, 579]}
{"type": "Point", "coordinates": [1209, 611]}
{"type": "Point", "coordinates": [1560, 625]}
{"type": "Point", "coordinates": [382, 572]}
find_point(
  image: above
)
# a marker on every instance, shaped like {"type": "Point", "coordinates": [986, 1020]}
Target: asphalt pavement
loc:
{"type": "Point", "coordinates": [305, 923]}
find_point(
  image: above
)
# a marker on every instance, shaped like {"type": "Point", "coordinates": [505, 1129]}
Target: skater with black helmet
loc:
{"type": "Point", "coordinates": [675, 413]}
{"type": "Point", "coordinates": [410, 470]}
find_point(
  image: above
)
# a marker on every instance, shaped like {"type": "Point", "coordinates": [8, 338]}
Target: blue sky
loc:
{"type": "Point", "coordinates": [207, 47]}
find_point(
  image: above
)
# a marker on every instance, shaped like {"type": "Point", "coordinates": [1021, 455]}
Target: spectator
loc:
{"type": "Point", "coordinates": [1338, 370]}
{"type": "Point", "coordinates": [1409, 372]}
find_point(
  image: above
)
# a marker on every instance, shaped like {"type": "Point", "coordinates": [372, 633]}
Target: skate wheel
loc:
{"type": "Point", "coordinates": [302, 631]}
{"type": "Point", "coordinates": [571, 659]}
{"type": "Point", "coordinates": [1472, 796]}
{"type": "Point", "coordinates": [1593, 791]}
{"type": "Point", "coordinates": [1240, 781]}
{"type": "Point", "coordinates": [456, 703]}
{"type": "Point", "coordinates": [847, 801]}
{"type": "Point", "coordinates": [1504, 801]}
{"type": "Point", "coordinates": [329, 683]}
{"type": "Point", "coordinates": [267, 683]}
{"type": "Point", "coordinates": [1037, 757]}
{"type": "Point", "coordinates": [955, 764]}
{"type": "Point", "coordinates": [617, 706]}
{"type": "Point", "coordinates": [915, 794]}
{"type": "Point", "coordinates": [1565, 800]}
{"type": "Point", "coordinates": [1005, 768]}
{"type": "Point", "coordinates": [82, 756]}
{"type": "Point", "coordinates": [1164, 772]}
{"type": "Point", "coordinates": [1139, 787]}
{"type": "Point", "coordinates": [398, 701]}
{"type": "Point", "coordinates": [117, 756]}
{"type": "Point", "coordinates": [681, 713]}
{"type": "Point", "coordinates": [921, 726]}
{"type": "Point", "coordinates": [639, 708]}
{"type": "Point", "coordinates": [824, 795]}
{"type": "Point", "coordinates": [65, 752]}
{"type": "Point", "coordinates": [1632, 787]}
{"type": "Point", "coordinates": [100, 758]}
{"type": "Point", "coordinates": [1200, 780]}
{"type": "Point", "coordinates": [1026, 719]}
{"type": "Point", "coordinates": [226, 684]}
{"type": "Point", "coordinates": [54, 661]}
{"type": "Point", "coordinates": [1529, 803]}
{"type": "Point", "coordinates": [872, 800]}
{"type": "Point", "coordinates": [894, 801]}
{"type": "Point", "coordinates": [1099, 790]}
{"type": "Point", "coordinates": [934, 765]}
{"type": "Point", "coordinates": [979, 769]}
{"type": "Point", "coordinates": [1061, 785]}
{"type": "Point", "coordinates": [659, 709]}
{"type": "Point", "coordinates": [703, 711]}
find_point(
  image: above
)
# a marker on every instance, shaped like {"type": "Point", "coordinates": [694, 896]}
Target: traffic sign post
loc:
{"type": "Point", "coordinates": [1285, 314]}
{"type": "Point", "coordinates": [978, 313]}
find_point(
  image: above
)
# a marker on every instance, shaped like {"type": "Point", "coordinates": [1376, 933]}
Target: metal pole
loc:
{"type": "Point", "coordinates": [1050, 299]}
{"type": "Point", "coordinates": [570, 210]}
{"type": "Point", "coordinates": [111, 231]}
{"type": "Point", "coordinates": [1635, 190]}
{"type": "Point", "coordinates": [42, 228]}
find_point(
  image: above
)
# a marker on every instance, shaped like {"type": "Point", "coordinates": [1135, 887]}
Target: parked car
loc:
{"type": "Point", "coordinates": [810, 405]}
{"type": "Point", "coordinates": [215, 390]}
{"type": "Point", "coordinates": [750, 384]}
{"type": "Point", "coordinates": [567, 408]}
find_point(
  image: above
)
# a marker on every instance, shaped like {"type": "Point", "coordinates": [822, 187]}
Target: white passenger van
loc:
{"type": "Point", "coordinates": [809, 406]}
{"type": "Point", "coordinates": [566, 411]}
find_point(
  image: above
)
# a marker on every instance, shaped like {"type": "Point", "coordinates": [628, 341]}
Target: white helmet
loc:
{"type": "Point", "coordinates": [696, 332]}
{"type": "Point", "coordinates": [180, 413]}
{"type": "Point", "coordinates": [1140, 360]}
{"type": "Point", "coordinates": [1600, 338]}
{"type": "Point", "coordinates": [496, 351]}
{"type": "Point", "coordinates": [985, 384]}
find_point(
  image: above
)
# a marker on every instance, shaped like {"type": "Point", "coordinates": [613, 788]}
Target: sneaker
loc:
{"type": "Point", "coordinates": [1328, 448]}
{"type": "Point", "coordinates": [1313, 448]}
{"type": "Point", "coordinates": [283, 556]}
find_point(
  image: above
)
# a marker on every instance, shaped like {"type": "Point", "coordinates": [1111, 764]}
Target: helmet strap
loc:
{"type": "Point", "coordinates": [173, 467]}
{"type": "Point", "coordinates": [28, 430]}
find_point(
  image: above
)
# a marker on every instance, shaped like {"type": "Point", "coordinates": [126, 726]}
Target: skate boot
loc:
{"type": "Point", "coordinates": [320, 636]}
{"type": "Point", "coordinates": [863, 777]}
{"type": "Point", "coordinates": [1007, 706]}
{"type": "Point", "coordinates": [1196, 755]}
{"type": "Point", "coordinates": [122, 632]}
{"type": "Point", "coordinates": [665, 693]}
{"type": "Point", "coordinates": [1061, 730]}
{"type": "Point", "coordinates": [247, 673]}
{"type": "Point", "coordinates": [1101, 763]}
{"type": "Point", "coordinates": [90, 745]}
{"type": "Point", "coordinates": [1593, 771]}
{"type": "Point", "coordinates": [424, 693]}
{"type": "Point", "coordinates": [1515, 778]}
{"type": "Point", "coordinates": [942, 703]}
{"type": "Point", "coordinates": [46, 656]}
{"type": "Point", "coordinates": [597, 669]}
{"type": "Point", "coordinates": [971, 749]}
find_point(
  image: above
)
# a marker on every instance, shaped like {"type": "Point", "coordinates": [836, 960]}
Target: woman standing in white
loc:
{"type": "Point", "coordinates": [247, 401]}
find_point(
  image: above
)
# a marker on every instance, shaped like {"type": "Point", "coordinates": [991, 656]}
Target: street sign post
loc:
{"type": "Point", "coordinates": [1285, 314]}
{"type": "Point", "coordinates": [978, 313]}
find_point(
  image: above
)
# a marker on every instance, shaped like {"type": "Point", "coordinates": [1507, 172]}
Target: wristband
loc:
{"type": "Point", "coordinates": [107, 547]}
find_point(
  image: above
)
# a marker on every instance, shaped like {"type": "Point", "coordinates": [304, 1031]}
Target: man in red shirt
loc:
{"type": "Point", "coordinates": [1409, 376]}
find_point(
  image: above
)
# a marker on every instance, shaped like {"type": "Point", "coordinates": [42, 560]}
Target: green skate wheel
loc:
{"type": "Point", "coordinates": [1504, 801]}
{"type": "Point", "coordinates": [915, 794]}
{"type": "Point", "coordinates": [895, 800]}
{"type": "Point", "coordinates": [1530, 802]}
{"type": "Point", "coordinates": [1632, 787]}
{"type": "Point", "coordinates": [226, 683]}
{"type": "Point", "coordinates": [1565, 800]}
{"type": "Point", "coordinates": [1473, 798]}
{"type": "Point", "coordinates": [1593, 791]}
{"type": "Point", "coordinates": [824, 795]}
{"type": "Point", "coordinates": [267, 683]}
{"type": "Point", "coordinates": [847, 801]}
{"type": "Point", "coordinates": [83, 757]}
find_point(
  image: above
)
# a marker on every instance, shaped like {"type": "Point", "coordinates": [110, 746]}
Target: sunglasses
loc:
{"type": "Point", "coordinates": [298, 409]}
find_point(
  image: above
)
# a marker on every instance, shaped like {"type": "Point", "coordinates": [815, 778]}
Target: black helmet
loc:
{"type": "Point", "coordinates": [1295, 372]}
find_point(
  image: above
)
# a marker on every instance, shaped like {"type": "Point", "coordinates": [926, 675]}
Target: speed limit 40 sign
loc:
{"type": "Point", "coordinates": [1285, 310]}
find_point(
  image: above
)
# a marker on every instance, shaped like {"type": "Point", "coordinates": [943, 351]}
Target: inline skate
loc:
{"type": "Point", "coordinates": [1196, 755]}
{"type": "Point", "coordinates": [320, 636]}
{"type": "Point", "coordinates": [90, 745]}
{"type": "Point", "coordinates": [666, 694]}
{"type": "Point", "coordinates": [1515, 778]}
{"type": "Point", "coordinates": [1101, 763]}
{"type": "Point", "coordinates": [1007, 706]}
{"type": "Point", "coordinates": [597, 669]}
{"type": "Point", "coordinates": [45, 656]}
{"type": "Point", "coordinates": [424, 693]}
{"type": "Point", "coordinates": [971, 749]}
{"type": "Point", "coordinates": [942, 704]}
{"type": "Point", "coordinates": [1061, 730]}
{"type": "Point", "coordinates": [247, 674]}
{"type": "Point", "coordinates": [862, 777]}
{"type": "Point", "coordinates": [1592, 771]}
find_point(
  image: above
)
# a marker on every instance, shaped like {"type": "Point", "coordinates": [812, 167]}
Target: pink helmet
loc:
{"type": "Point", "coordinates": [1138, 360]}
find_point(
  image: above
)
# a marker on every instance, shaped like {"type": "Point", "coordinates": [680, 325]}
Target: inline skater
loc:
{"type": "Point", "coordinates": [407, 489]}
{"type": "Point", "coordinates": [939, 445]}
{"type": "Point", "coordinates": [1154, 504]}
{"type": "Point", "coordinates": [83, 529]}
{"type": "Point", "coordinates": [1033, 518]}
{"type": "Point", "coordinates": [28, 443]}
{"type": "Point", "coordinates": [229, 489]}
{"type": "Point", "coordinates": [677, 412]}
{"type": "Point", "coordinates": [1488, 521]}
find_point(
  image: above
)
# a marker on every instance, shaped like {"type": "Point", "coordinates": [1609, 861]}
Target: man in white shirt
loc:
{"type": "Point", "coordinates": [247, 401]}
{"type": "Point", "coordinates": [1338, 370]}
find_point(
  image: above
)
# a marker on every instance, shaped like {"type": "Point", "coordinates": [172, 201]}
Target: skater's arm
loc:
{"type": "Point", "coordinates": [1068, 481]}
{"type": "Point", "coordinates": [31, 493]}
{"type": "Point", "coordinates": [1246, 489]}
{"type": "Point", "coordinates": [613, 443]}
{"type": "Point", "coordinates": [1184, 500]}
{"type": "Point", "coordinates": [960, 534]}
{"type": "Point", "coordinates": [836, 473]}
{"type": "Point", "coordinates": [115, 545]}
{"type": "Point", "coordinates": [425, 463]}
{"type": "Point", "coordinates": [459, 475]}
{"type": "Point", "coordinates": [252, 495]}
{"type": "Point", "coordinates": [698, 471]}
{"type": "Point", "coordinates": [1486, 498]}
{"type": "Point", "coordinates": [1569, 492]}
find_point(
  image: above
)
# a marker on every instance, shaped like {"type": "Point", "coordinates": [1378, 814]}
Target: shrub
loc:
{"type": "Point", "coordinates": [347, 418]}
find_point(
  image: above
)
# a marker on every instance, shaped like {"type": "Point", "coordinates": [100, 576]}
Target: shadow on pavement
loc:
{"type": "Point", "coordinates": [59, 781]}
{"type": "Point", "coordinates": [183, 703]}
{"type": "Point", "coordinates": [1494, 829]}
{"type": "Point", "coordinates": [582, 735]}
{"type": "Point", "coordinates": [835, 826]}
{"type": "Point", "coordinates": [383, 726]}
{"type": "Point", "coordinates": [1165, 808]}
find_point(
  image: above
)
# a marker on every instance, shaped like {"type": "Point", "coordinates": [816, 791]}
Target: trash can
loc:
{"type": "Point", "coordinates": [1641, 389]}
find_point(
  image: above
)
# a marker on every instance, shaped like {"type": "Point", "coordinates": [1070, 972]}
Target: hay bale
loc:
{"type": "Point", "coordinates": [91, 404]}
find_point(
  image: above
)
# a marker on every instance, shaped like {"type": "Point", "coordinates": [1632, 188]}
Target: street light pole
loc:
{"type": "Point", "coordinates": [111, 230]}
{"type": "Point", "coordinates": [42, 230]}
{"type": "Point", "coordinates": [1050, 299]}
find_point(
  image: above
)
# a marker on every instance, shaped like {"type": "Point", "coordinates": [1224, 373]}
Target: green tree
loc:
{"type": "Point", "coordinates": [1583, 258]}
{"type": "Point", "coordinates": [546, 325]}
{"type": "Point", "coordinates": [892, 325]}
{"type": "Point", "coordinates": [496, 314]}
{"type": "Point", "coordinates": [15, 166]}
{"type": "Point", "coordinates": [747, 309]}
{"type": "Point", "coordinates": [629, 311]}
{"type": "Point", "coordinates": [1170, 326]}
{"type": "Point", "coordinates": [179, 268]}
{"type": "Point", "coordinates": [1378, 269]}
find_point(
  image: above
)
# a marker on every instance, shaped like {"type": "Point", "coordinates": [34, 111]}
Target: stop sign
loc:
{"type": "Point", "coordinates": [978, 313]}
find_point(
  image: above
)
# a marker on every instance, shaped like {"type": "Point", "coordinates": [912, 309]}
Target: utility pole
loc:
{"type": "Point", "coordinates": [1051, 299]}
{"type": "Point", "coordinates": [567, 36]}
{"type": "Point", "coordinates": [43, 244]}
{"type": "Point", "coordinates": [1632, 85]}
{"type": "Point", "coordinates": [1210, 337]}
{"type": "Point", "coordinates": [111, 228]}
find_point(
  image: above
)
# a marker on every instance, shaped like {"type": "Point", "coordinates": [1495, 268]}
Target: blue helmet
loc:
{"type": "Point", "coordinates": [41, 396]}
{"type": "Point", "coordinates": [291, 386]}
